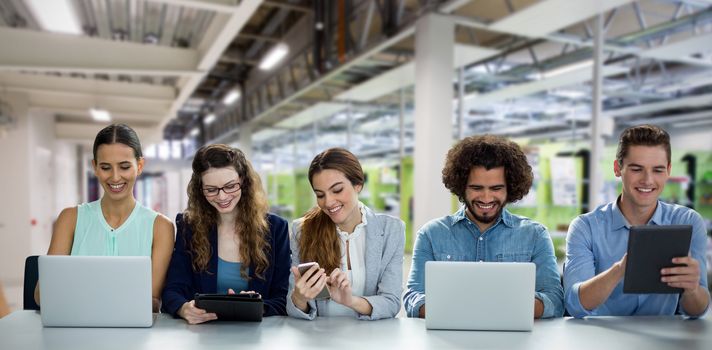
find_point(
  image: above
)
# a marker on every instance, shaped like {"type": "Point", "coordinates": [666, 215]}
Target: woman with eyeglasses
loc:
{"type": "Point", "coordinates": [226, 242]}
{"type": "Point", "coordinates": [359, 253]}
{"type": "Point", "coordinates": [116, 224]}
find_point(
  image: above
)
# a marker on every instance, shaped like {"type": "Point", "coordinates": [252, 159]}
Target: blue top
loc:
{"type": "Point", "coordinates": [182, 282]}
{"type": "Point", "coordinates": [511, 238]}
{"type": "Point", "coordinates": [94, 236]}
{"type": "Point", "coordinates": [229, 277]}
{"type": "Point", "coordinates": [599, 239]}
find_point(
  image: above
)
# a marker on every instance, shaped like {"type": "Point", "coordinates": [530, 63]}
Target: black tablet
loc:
{"type": "Point", "coordinates": [232, 307]}
{"type": "Point", "coordinates": [651, 248]}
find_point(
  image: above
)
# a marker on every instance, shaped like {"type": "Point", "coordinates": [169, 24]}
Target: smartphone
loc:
{"type": "Point", "coordinates": [306, 266]}
{"type": "Point", "coordinates": [324, 293]}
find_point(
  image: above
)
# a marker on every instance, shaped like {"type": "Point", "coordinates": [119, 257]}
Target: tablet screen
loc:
{"type": "Point", "coordinates": [651, 248]}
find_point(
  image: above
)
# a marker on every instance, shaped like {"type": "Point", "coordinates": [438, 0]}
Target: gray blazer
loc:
{"type": "Point", "coordinates": [385, 241]}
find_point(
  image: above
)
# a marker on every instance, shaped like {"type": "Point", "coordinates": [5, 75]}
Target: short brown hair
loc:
{"type": "Point", "coordinates": [642, 135]}
{"type": "Point", "coordinates": [490, 152]}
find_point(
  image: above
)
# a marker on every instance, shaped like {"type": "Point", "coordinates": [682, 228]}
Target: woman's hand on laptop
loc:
{"type": "Point", "coordinates": [195, 315]}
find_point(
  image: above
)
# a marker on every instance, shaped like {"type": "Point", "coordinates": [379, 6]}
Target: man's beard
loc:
{"type": "Point", "coordinates": [485, 219]}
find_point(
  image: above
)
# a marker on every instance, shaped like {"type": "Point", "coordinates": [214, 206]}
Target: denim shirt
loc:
{"type": "Point", "coordinates": [598, 239]}
{"type": "Point", "coordinates": [511, 238]}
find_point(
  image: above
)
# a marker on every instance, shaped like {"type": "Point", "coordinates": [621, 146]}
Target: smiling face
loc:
{"type": "Point", "coordinates": [338, 198]}
{"type": "Point", "coordinates": [644, 172]}
{"type": "Point", "coordinates": [485, 195]}
{"type": "Point", "coordinates": [217, 182]}
{"type": "Point", "coordinates": [117, 168]}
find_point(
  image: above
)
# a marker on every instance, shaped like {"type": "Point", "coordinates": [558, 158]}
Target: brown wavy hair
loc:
{"type": "Point", "coordinates": [250, 223]}
{"type": "Point", "coordinates": [319, 241]}
{"type": "Point", "coordinates": [490, 152]}
{"type": "Point", "coordinates": [642, 135]}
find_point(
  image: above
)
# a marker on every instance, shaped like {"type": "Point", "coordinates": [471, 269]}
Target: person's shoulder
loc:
{"type": "Point", "coordinates": [276, 222]}
{"type": "Point", "coordinates": [519, 221]}
{"type": "Point", "coordinates": [68, 216]}
{"type": "Point", "coordinates": [69, 212]}
{"type": "Point", "coordinates": [437, 224]}
{"type": "Point", "coordinates": [680, 214]}
{"type": "Point", "coordinates": [163, 223]}
{"type": "Point", "coordinates": [386, 219]}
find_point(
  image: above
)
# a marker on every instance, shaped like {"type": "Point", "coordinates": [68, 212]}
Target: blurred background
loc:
{"type": "Point", "coordinates": [395, 81]}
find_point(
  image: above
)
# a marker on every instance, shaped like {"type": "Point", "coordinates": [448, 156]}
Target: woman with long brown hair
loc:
{"type": "Point", "coordinates": [359, 253]}
{"type": "Point", "coordinates": [226, 242]}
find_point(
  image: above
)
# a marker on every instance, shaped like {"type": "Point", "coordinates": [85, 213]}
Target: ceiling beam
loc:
{"type": "Point", "coordinates": [84, 103]}
{"type": "Point", "coordinates": [63, 85]}
{"type": "Point", "coordinates": [549, 16]}
{"type": "Point", "coordinates": [218, 37]}
{"type": "Point", "coordinates": [573, 77]}
{"type": "Point", "coordinates": [52, 52]}
{"type": "Point", "coordinates": [83, 132]}
{"type": "Point", "coordinates": [209, 5]}
{"type": "Point", "coordinates": [288, 6]}
{"type": "Point", "coordinates": [683, 102]}
{"type": "Point", "coordinates": [116, 116]}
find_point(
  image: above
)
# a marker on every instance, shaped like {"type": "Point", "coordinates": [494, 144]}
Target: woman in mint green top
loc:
{"type": "Point", "coordinates": [116, 224]}
{"type": "Point", "coordinates": [94, 236]}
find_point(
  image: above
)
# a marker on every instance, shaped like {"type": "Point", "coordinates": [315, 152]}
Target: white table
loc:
{"type": "Point", "coordinates": [22, 330]}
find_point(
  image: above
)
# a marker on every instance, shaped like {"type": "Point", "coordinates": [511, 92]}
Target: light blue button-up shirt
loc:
{"type": "Point", "coordinates": [511, 238]}
{"type": "Point", "coordinates": [599, 239]}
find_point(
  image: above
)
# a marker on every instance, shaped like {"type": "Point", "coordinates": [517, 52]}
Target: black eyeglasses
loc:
{"type": "Point", "coordinates": [214, 191]}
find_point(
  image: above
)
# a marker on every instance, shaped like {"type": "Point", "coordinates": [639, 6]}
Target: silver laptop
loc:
{"type": "Point", "coordinates": [493, 296]}
{"type": "Point", "coordinates": [95, 291]}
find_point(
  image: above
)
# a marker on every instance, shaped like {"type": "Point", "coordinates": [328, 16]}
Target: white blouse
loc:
{"type": "Point", "coordinates": [357, 274]}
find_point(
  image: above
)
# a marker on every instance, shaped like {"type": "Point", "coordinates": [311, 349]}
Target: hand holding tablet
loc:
{"type": "Point", "coordinates": [650, 267]}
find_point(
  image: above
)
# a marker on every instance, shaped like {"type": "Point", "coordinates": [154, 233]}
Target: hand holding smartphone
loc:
{"type": "Point", "coordinates": [303, 268]}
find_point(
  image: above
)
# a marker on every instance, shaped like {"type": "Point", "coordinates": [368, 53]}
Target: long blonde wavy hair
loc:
{"type": "Point", "coordinates": [251, 219]}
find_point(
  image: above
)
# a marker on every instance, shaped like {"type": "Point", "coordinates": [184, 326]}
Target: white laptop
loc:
{"type": "Point", "coordinates": [95, 291]}
{"type": "Point", "coordinates": [493, 296]}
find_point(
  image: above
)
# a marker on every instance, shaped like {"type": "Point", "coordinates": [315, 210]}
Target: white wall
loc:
{"type": "Point", "coordinates": [67, 175]}
{"type": "Point", "coordinates": [38, 179]}
{"type": "Point", "coordinates": [15, 188]}
{"type": "Point", "coordinates": [42, 180]}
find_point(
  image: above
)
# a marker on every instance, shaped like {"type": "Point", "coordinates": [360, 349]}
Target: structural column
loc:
{"type": "Point", "coordinates": [595, 176]}
{"type": "Point", "coordinates": [434, 44]}
{"type": "Point", "coordinates": [245, 139]}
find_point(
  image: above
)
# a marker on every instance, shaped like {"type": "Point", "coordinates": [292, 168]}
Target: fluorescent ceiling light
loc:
{"type": "Point", "coordinates": [274, 55]}
{"type": "Point", "coordinates": [231, 97]}
{"type": "Point", "coordinates": [209, 119]}
{"type": "Point", "coordinates": [195, 132]}
{"type": "Point", "coordinates": [100, 115]}
{"type": "Point", "coordinates": [56, 16]}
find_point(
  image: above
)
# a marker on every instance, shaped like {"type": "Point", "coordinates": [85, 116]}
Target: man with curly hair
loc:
{"type": "Point", "coordinates": [597, 241]}
{"type": "Point", "coordinates": [485, 173]}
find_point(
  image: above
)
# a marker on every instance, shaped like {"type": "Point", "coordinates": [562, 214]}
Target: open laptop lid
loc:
{"type": "Point", "coordinates": [95, 291]}
{"type": "Point", "coordinates": [479, 295]}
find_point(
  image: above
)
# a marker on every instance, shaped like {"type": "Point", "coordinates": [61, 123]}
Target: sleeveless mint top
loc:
{"type": "Point", "coordinates": [94, 236]}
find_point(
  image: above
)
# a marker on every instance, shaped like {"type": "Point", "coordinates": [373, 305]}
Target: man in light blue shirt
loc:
{"type": "Point", "coordinates": [597, 241]}
{"type": "Point", "coordinates": [486, 173]}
